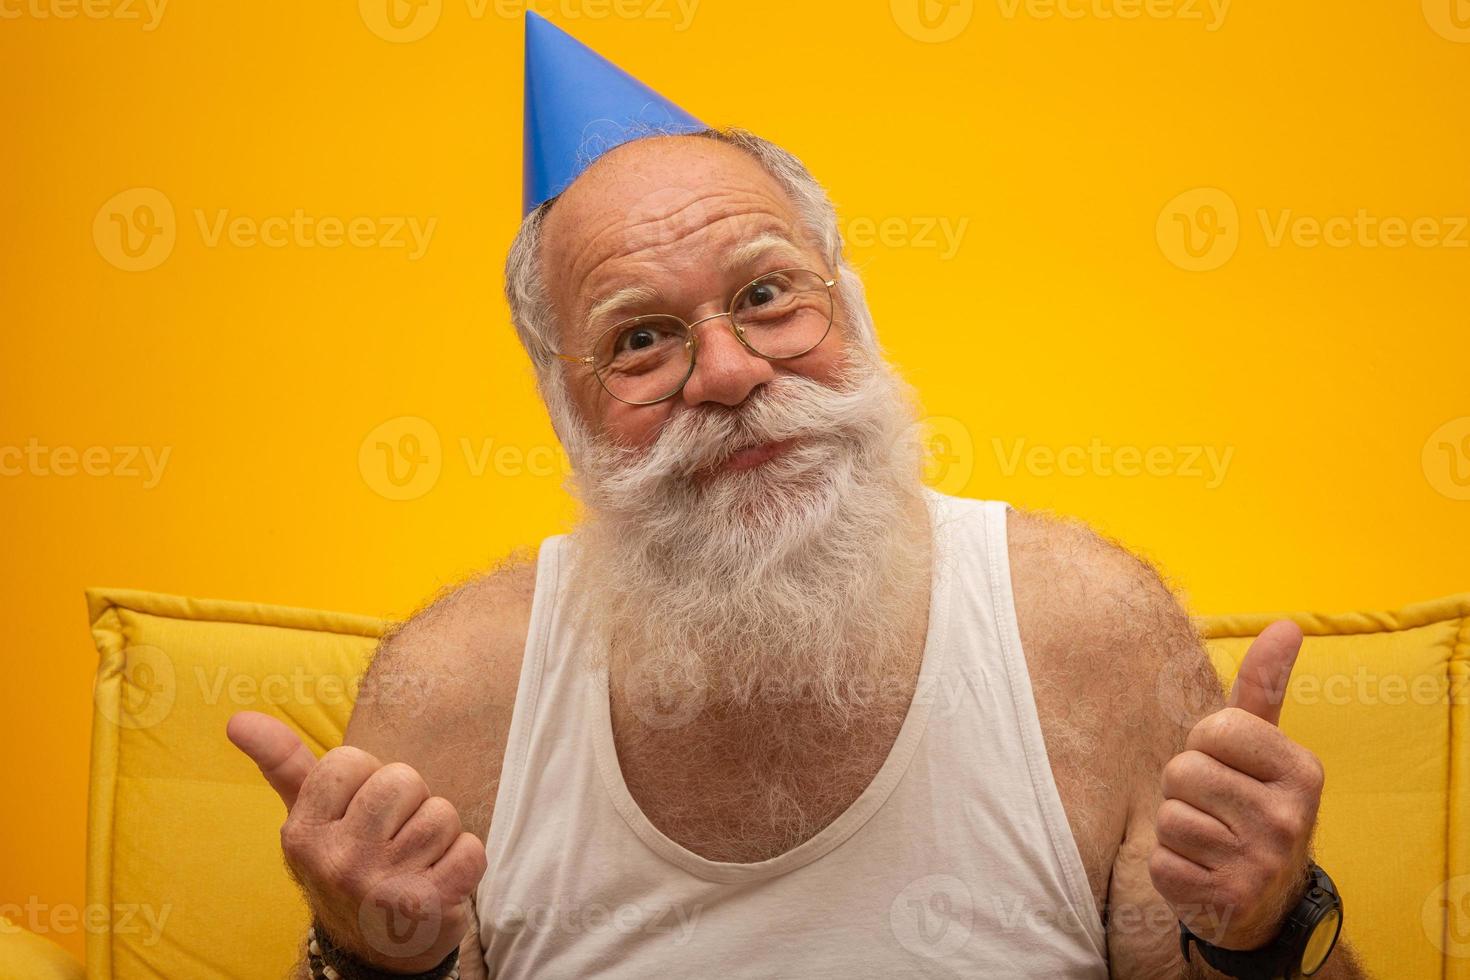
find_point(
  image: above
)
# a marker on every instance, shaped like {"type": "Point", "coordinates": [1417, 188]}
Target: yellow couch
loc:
{"type": "Point", "coordinates": [183, 831]}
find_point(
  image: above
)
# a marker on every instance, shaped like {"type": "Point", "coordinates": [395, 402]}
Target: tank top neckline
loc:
{"type": "Point", "coordinates": [873, 796]}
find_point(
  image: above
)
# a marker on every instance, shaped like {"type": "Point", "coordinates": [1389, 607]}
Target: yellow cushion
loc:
{"type": "Point", "coordinates": [179, 821]}
{"type": "Point", "coordinates": [1373, 695]}
{"type": "Point", "coordinates": [25, 954]}
{"type": "Point", "coordinates": [182, 825]}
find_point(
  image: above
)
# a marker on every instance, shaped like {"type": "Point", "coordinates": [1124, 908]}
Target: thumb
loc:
{"type": "Point", "coordinates": [283, 758]}
{"type": "Point", "coordinates": [1260, 686]}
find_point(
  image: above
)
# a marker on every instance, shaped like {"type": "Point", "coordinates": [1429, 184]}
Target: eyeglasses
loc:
{"type": "Point", "coordinates": [646, 359]}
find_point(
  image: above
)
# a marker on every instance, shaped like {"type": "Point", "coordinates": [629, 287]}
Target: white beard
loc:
{"type": "Point", "coordinates": [798, 581]}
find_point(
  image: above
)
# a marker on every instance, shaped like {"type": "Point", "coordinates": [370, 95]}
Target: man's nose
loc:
{"type": "Point", "coordinates": [725, 371]}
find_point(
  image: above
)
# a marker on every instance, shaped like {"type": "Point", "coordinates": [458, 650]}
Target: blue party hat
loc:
{"type": "Point", "coordinates": [579, 105]}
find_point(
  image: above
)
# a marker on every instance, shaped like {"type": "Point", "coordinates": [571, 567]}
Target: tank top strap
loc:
{"type": "Point", "coordinates": [550, 574]}
{"type": "Point", "coordinates": [988, 668]}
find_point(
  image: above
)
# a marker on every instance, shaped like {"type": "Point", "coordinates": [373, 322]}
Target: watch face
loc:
{"type": "Point", "coordinates": [1320, 943]}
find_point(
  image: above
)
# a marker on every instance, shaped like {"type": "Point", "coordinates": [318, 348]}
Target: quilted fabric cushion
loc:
{"type": "Point", "coordinates": [180, 822]}
{"type": "Point", "coordinates": [182, 826]}
{"type": "Point", "coordinates": [25, 954]}
{"type": "Point", "coordinates": [1382, 699]}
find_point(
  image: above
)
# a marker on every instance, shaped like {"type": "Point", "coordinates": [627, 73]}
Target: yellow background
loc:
{"type": "Point", "coordinates": [1053, 146]}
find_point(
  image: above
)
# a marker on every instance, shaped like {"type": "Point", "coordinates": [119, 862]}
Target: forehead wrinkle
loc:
{"type": "Point", "coordinates": [649, 254]}
{"type": "Point", "coordinates": [762, 242]}
{"type": "Point", "coordinates": [724, 205]}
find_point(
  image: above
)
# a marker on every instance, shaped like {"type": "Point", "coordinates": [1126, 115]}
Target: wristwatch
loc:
{"type": "Point", "coordinates": [1299, 950]}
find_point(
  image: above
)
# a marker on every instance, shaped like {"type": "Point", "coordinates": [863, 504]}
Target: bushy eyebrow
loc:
{"type": "Point", "coordinates": [625, 298]}
{"type": "Point", "coordinates": [766, 245]}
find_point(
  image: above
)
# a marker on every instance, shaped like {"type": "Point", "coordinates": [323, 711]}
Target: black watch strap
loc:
{"type": "Point", "coordinates": [322, 953]}
{"type": "Point", "coordinates": [1281, 958]}
{"type": "Point", "coordinates": [1268, 963]}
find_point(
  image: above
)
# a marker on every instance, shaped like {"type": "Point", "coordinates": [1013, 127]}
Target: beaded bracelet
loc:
{"type": "Point", "coordinates": [328, 961]}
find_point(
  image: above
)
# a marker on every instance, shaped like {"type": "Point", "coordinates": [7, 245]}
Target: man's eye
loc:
{"type": "Point", "coordinates": [771, 291]}
{"type": "Point", "coordinates": [638, 339]}
{"type": "Point", "coordinates": [643, 338]}
{"type": "Point", "coordinates": [762, 293]}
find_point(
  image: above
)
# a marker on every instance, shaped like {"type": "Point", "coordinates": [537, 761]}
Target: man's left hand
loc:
{"type": "Point", "coordinates": [1240, 802]}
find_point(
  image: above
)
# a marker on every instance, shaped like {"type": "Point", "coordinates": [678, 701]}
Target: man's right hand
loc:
{"type": "Point", "coordinates": [387, 868]}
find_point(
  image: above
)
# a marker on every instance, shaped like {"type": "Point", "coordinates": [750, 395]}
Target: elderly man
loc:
{"type": "Point", "coordinates": [773, 708]}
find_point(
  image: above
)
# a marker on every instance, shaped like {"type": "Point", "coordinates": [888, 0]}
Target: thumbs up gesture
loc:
{"type": "Point", "coordinates": [1239, 806]}
{"type": "Point", "coordinates": [386, 867]}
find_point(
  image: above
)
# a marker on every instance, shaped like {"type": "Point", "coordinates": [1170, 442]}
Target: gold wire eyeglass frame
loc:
{"type": "Point", "coordinates": [691, 341]}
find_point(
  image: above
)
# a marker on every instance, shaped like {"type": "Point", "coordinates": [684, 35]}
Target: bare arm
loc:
{"type": "Point", "coordinates": [438, 696]}
{"type": "Point", "coordinates": [1121, 678]}
{"type": "Point", "coordinates": [1184, 728]}
{"type": "Point", "coordinates": [1188, 694]}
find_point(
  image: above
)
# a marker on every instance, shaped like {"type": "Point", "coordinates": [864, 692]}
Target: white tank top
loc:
{"type": "Point", "coordinates": [956, 861]}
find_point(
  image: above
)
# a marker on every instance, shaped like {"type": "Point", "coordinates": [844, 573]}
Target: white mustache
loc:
{"type": "Point", "coordinates": [787, 407]}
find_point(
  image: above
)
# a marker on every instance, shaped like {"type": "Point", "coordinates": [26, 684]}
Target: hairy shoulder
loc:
{"type": "Point", "coordinates": [1086, 600]}
{"type": "Point", "coordinates": [1113, 655]}
{"type": "Point", "coordinates": [1077, 576]}
{"type": "Point", "coordinates": [439, 691]}
{"type": "Point", "coordinates": [1102, 622]}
